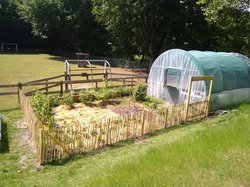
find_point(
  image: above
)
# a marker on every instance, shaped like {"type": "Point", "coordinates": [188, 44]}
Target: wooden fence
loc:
{"type": "Point", "coordinates": [60, 86]}
{"type": "Point", "coordinates": [57, 143]}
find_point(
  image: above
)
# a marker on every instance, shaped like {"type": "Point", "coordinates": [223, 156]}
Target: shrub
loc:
{"type": "Point", "coordinates": [42, 106]}
{"type": "Point", "coordinates": [125, 91]}
{"type": "Point", "coordinates": [87, 96]}
{"type": "Point", "coordinates": [140, 92]}
{"type": "Point", "coordinates": [153, 102]}
{"type": "Point", "coordinates": [104, 94]}
{"type": "Point", "coordinates": [115, 93]}
{"type": "Point", "coordinates": [54, 101]}
{"type": "Point", "coordinates": [67, 99]}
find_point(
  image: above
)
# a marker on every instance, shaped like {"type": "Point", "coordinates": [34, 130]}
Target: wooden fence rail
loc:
{"type": "Point", "coordinates": [62, 85]}
{"type": "Point", "coordinates": [62, 142]}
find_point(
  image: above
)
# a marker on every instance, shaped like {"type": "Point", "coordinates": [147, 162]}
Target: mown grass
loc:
{"type": "Point", "coordinates": [214, 152]}
{"type": "Point", "coordinates": [16, 68]}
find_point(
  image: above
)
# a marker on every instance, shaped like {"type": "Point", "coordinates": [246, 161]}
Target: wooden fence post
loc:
{"type": "Point", "coordinates": [19, 87]}
{"type": "Point", "coordinates": [96, 84]}
{"type": "Point", "coordinates": [46, 87]}
{"type": "Point", "coordinates": [66, 79]}
{"type": "Point", "coordinates": [123, 81]}
{"type": "Point", "coordinates": [166, 118]}
{"type": "Point", "coordinates": [40, 150]}
{"type": "Point", "coordinates": [61, 88]}
{"type": "Point", "coordinates": [143, 121]}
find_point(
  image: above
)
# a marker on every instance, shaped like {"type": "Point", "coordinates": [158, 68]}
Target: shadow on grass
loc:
{"type": "Point", "coordinates": [4, 142]}
{"type": "Point", "coordinates": [59, 58]}
{"type": "Point", "coordinates": [118, 145]}
{"type": "Point", "coordinates": [9, 110]}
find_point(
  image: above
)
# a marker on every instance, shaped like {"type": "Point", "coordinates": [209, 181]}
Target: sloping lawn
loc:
{"type": "Point", "coordinates": [214, 152]}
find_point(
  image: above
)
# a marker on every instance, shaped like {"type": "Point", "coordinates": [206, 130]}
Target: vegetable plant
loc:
{"type": "Point", "coordinates": [67, 99]}
{"type": "Point", "coordinates": [87, 96]}
{"type": "Point", "coordinates": [140, 92]}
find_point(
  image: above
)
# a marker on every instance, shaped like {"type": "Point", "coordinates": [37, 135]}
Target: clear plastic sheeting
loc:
{"type": "Point", "coordinates": [174, 90]}
{"type": "Point", "coordinates": [170, 75]}
{"type": "Point", "coordinates": [227, 99]}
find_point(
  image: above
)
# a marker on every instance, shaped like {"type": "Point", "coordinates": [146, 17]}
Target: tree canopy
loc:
{"type": "Point", "coordinates": [127, 28]}
{"type": "Point", "coordinates": [148, 27]}
{"type": "Point", "coordinates": [233, 17]}
{"type": "Point", "coordinates": [65, 23]}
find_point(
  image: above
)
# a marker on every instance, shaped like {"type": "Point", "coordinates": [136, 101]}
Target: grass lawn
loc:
{"type": "Point", "coordinates": [214, 152]}
{"type": "Point", "coordinates": [21, 68]}
{"type": "Point", "coordinates": [26, 67]}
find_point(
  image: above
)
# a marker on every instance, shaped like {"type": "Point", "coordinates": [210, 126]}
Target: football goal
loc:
{"type": "Point", "coordinates": [9, 47]}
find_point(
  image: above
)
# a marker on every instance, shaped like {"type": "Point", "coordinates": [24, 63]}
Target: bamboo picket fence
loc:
{"type": "Point", "coordinates": [63, 142]}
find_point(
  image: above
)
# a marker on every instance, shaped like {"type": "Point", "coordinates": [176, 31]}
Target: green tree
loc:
{"type": "Point", "coordinates": [148, 27]}
{"type": "Point", "coordinates": [13, 29]}
{"type": "Point", "coordinates": [139, 25]}
{"type": "Point", "coordinates": [66, 23]}
{"type": "Point", "coordinates": [233, 17]}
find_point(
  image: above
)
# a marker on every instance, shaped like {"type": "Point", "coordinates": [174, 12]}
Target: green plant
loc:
{"type": "Point", "coordinates": [67, 99]}
{"type": "Point", "coordinates": [42, 106]}
{"type": "Point", "coordinates": [103, 94]}
{"type": "Point", "coordinates": [54, 101]}
{"type": "Point", "coordinates": [115, 93]}
{"type": "Point", "coordinates": [140, 92]}
{"type": "Point", "coordinates": [87, 96]}
{"type": "Point", "coordinates": [125, 91]}
{"type": "Point", "coordinates": [154, 103]}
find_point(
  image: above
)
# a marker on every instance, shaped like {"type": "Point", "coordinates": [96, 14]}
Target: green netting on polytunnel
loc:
{"type": "Point", "coordinates": [170, 75]}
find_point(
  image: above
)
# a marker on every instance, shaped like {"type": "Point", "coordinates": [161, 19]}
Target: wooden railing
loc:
{"type": "Point", "coordinates": [61, 86]}
{"type": "Point", "coordinates": [57, 143]}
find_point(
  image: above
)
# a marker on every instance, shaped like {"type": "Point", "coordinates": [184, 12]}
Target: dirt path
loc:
{"type": "Point", "coordinates": [24, 147]}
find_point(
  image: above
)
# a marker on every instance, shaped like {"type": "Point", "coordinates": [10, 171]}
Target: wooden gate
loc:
{"type": "Point", "coordinates": [201, 105]}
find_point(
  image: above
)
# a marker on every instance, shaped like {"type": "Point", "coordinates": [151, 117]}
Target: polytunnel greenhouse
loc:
{"type": "Point", "coordinates": [171, 72]}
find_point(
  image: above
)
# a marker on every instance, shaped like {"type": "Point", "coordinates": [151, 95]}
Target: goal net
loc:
{"type": "Point", "coordinates": [9, 47]}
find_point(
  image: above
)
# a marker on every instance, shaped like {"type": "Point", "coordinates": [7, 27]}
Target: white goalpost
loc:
{"type": "Point", "coordinates": [9, 47]}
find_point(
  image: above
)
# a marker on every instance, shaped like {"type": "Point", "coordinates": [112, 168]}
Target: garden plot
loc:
{"type": "Point", "coordinates": [86, 114]}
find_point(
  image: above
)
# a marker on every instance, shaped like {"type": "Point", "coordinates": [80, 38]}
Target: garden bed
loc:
{"type": "Point", "coordinates": [81, 113]}
{"type": "Point", "coordinates": [61, 128]}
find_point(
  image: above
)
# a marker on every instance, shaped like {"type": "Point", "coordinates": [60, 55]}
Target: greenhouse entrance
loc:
{"type": "Point", "coordinates": [172, 78]}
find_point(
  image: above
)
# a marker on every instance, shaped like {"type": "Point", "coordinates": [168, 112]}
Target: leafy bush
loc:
{"type": "Point", "coordinates": [87, 96]}
{"type": "Point", "coordinates": [42, 105]}
{"type": "Point", "coordinates": [125, 91]}
{"type": "Point", "coordinates": [54, 101]}
{"type": "Point", "coordinates": [115, 93]}
{"type": "Point", "coordinates": [67, 99]}
{"type": "Point", "coordinates": [104, 94]}
{"type": "Point", "coordinates": [154, 102]}
{"type": "Point", "coordinates": [140, 92]}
